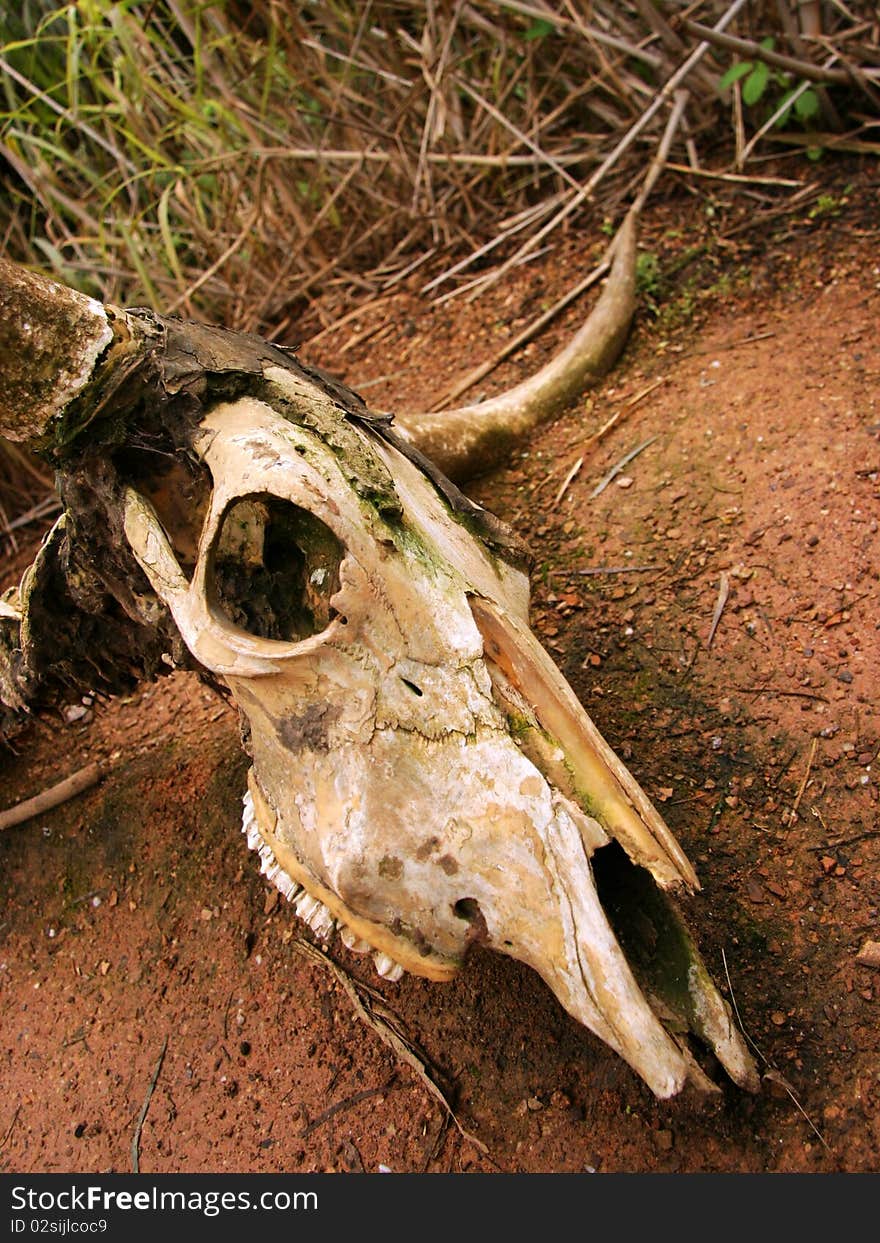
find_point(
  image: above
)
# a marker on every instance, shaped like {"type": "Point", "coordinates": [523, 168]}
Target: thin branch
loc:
{"type": "Point", "coordinates": [522, 338]}
{"type": "Point", "coordinates": [755, 51]}
{"type": "Point", "coordinates": [544, 156]}
{"type": "Point", "coordinates": [793, 811]}
{"type": "Point", "coordinates": [385, 1030]}
{"type": "Point", "coordinates": [658, 163]}
{"type": "Point", "coordinates": [67, 789]}
{"type": "Point", "coordinates": [348, 1103]}
{"type": "Point", "coordinates": [771, 1074]}
{"type": "Point", "coordinates": [601, 433]}
{"type": "Point", "coordinates": [741, 178]}
{"type": "Point", "coordinates": [136, 1140]}
{"type": "Point", "coordinates": [780, 112]}
{"type": "Point", "coordinates": [619, 466]}
{"type": "Point", "coordinates": [723, 594]}
{"type": "Point", "coordinates": [589, 32]}
{"type": "Point", "coordinates": [602, 570]}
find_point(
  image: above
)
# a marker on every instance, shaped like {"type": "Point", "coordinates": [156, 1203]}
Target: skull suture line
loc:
{"type": "Point", "coordinates": [422, 776]}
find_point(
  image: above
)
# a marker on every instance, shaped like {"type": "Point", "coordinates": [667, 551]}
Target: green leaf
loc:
{"type": "Point", "coordinates": [784, 117]}
{"type": "Point", "coordinates": [753, 87]}
{"type": "Point", "coordinates": [807, 105]}
{"type": "Point", "coordinates": [539, 29]}
{"type": "Point", "coordinates": [768, 44]}
{"type": "Point", "coordinates": [736, 71]}
{"type": "Point", "coordinates": [815, 153]}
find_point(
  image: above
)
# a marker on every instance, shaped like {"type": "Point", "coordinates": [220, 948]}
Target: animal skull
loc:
{"type": "Point", "coordinates": [423, 777]}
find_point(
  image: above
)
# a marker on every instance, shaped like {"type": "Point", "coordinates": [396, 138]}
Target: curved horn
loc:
{"type": "Point", "coordinates": [474, 438]}
{"type": "Point", "coordinates": [51, 337]}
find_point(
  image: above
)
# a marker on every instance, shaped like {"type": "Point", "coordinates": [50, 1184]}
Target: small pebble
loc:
{"type": "Point", "coordinates": [869, 955]}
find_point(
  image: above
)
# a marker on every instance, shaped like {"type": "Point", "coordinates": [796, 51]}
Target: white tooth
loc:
{"type": "Point", "coordinates": [286, 885]}
{"type": "Point", "coordinates": [253, 837]}
{"type": "Point", "coordinates": [305, 906]}
{"type": "Point", "coordinates": [387, 967]}
{"type": "Point", "coordinates": [322, 922]}
{"type": "Point", "coordinates": [353, 942]}
{"type": "Point", "coordinates": [272, 871]}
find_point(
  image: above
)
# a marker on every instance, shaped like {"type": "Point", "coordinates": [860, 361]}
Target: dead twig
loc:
{"type": "Point", "coordinates": [838, 842]}
{"type": "Point", "coordinates": [11, 1127]}
{"type": "Point", "coordinates": [348, 1103]}
{"type": "Point", "coordinates": [780, 112]}
{"type": "Point", "coordinates": [67, 789]}
{"type": "Point", "coordinates": [522, 338]}
{"type": "Point", "coordinates": [658, 163]}
{"type": "Point", "coordinates": [605, 569]}
{"type": "Point", "coordinates": [603, 431]}
{"type": "Point", "coordinates": [771, 1074]}
{"type": "Point", "coordinates": [586, 192]}
{"type": "Point", "coordinates": [731, 345]}
{"type": "Point", "coordinates": [756, 51]}
{"type": "Point", "coordinates": [829, 142]}
{"type": "Point", "coordinates": [358, 313]}
{"type": "Point", "coordinates": [43, 509]}
{"type": "Point", "coordinates": [136, 1140]}
{"type": "Point", "coordinates": [619, 466]}
{"type": "Point", "coordinates": [772, 690]}
{"type": "Point", "coordinates": [723, 595]}
{"type": "Point", "coordinates": [791, 816]}
{"type": "Point", "coordinates": [567, 481]}
{"type": "Point", "coordinates": [376, 1015]}
{"type": "Point", "coordinates": [740, 178]}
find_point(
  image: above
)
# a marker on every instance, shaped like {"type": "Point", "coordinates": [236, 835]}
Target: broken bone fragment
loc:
{"type": "Point", "coordinates": [423, 776]}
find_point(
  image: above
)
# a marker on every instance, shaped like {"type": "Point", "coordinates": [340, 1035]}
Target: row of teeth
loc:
{"type": "Point", "coordinates": [309, 909]}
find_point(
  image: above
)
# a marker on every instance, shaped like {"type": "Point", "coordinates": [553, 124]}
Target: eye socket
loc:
{"type": "Point", "coordinates": [179, 489]}
{"type": "Point", "coordinates": [274, 568]}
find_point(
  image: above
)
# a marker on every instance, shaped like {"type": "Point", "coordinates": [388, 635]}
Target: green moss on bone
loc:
{"type": "Point", "coordinates": [315, 411]}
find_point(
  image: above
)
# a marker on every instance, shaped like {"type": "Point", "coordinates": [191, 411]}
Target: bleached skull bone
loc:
{"type": "Point", "coordinates": [423, 776]}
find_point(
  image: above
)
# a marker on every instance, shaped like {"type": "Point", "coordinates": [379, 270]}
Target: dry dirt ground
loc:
{"type": "Point", "coordinates": [134, 920]}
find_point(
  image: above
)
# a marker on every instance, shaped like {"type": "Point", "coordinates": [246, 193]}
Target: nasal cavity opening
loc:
{"type": "Point", "coordinates": [651, 932]}
{"type": "Point", "coordinates": [468, 909]}
{"type": "Point", "coordinates": [275, 568]}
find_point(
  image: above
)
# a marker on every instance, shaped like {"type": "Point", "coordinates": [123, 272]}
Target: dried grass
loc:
{"type": "Point", "coordinates": [261, 164]}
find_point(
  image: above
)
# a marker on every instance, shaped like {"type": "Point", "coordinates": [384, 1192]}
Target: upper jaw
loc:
{"type": "Point", "coordinates": [515, 834]}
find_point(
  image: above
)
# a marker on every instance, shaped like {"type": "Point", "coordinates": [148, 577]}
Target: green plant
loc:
{"type": "Point", "coordinates": [778, 89]}
{"type": "Point", "coordinates": [828, 205]}
{"type": "Point", "coordinates": [648, 278]}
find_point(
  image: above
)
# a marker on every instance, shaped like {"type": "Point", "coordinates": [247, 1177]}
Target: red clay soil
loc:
{"type": "Point", "coordinates": [716, 607]}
